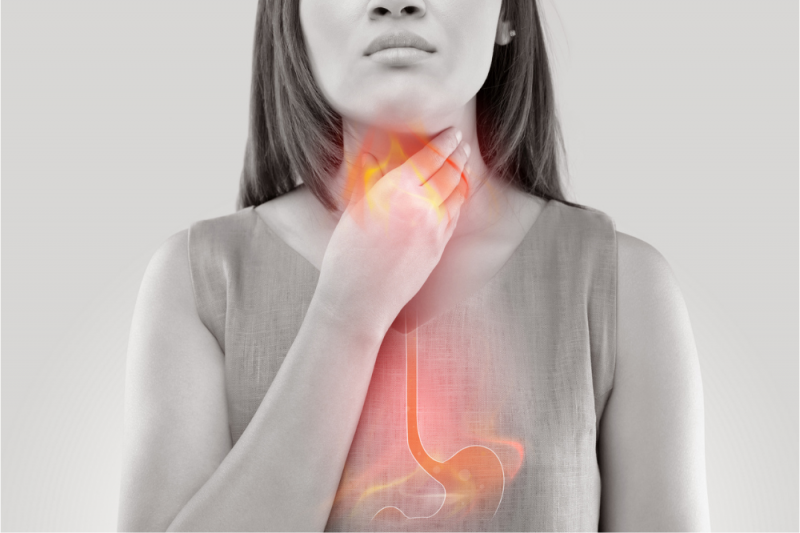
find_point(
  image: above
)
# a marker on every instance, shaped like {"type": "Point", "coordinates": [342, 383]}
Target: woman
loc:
{"type": "Point", "coordinates": [424, 334]}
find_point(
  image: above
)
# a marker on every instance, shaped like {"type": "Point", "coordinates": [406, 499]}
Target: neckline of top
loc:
{"type": "Point", "coordinates": [532, 231]}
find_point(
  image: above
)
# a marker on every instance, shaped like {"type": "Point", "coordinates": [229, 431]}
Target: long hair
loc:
{"type": "Point", "coordinates": [294, 134]}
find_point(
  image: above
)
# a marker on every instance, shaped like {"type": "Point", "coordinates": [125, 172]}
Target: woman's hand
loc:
{"type": "Point", "coordinates": [393, 232]}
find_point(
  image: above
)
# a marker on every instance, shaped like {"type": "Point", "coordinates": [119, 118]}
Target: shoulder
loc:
{"type": "Point", "coordinates": [582, 219]}
{"type": "Point", "coordinates": [653, 326]}
{"type": "Point", "coordinates": [652, 318]}
{"type": "Point", "coordinates": [225, 240]}
{"type": "Point", "coordinates": [643, 264]}
{"type": "Point", "coordinates": [186, 281]}
{"type": "Point", "coordinates": [171, 258]}
{"type": "Point", "coordinates": [173, 380]}
{"type": "Point", "coordinates": [165, 299]}
{"type": "Point", "coordinates": [167, 276]}
{"type": "Point", "coordinates": [223, 227]}
{"type": "Point", "coordinates": [583, 232]}
{"type": "Point", "coordinates": [651, 434]}
{"type": "Point", "coordinates": [190, 267]}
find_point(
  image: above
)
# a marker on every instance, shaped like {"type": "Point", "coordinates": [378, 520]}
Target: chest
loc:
{"type": "Point", "coordinates": [477, 386]}
{"type": "Point", "coordinates": [489, 376]}
{"type": "Point", "coordinates": [467, 264]}
{"type": "Point", "coordinates": [507, 370]}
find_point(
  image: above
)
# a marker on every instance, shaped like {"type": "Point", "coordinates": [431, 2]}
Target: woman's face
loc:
{"type": "Point", "coordinates": [400, 86]}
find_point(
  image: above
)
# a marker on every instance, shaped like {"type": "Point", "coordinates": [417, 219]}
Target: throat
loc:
{"type": "Point", "coordinates": [469, 265]}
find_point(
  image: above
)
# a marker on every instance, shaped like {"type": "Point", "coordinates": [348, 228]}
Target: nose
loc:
{"type": "Point", "coordinates": [379, 9]}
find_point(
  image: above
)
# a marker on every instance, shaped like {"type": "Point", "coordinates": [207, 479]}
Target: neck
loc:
{"type": "Point", "coordinates": [392, 145]}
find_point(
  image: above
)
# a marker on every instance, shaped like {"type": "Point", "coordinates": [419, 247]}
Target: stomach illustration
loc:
{"type": "Point", "coordinates": [473, 478]}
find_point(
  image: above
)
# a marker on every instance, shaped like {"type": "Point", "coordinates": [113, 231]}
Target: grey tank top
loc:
{"type": "Point", "coordinates": [509, 385]}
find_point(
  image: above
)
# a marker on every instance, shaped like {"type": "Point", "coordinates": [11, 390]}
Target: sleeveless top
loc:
{"type": "Point", "coordinates": [510, 383]}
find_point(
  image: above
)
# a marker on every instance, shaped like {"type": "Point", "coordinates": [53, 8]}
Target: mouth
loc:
{"type": "Point", "coordinates": [400, 57]}
{"type": "Point", "coordinates": [403, 40]}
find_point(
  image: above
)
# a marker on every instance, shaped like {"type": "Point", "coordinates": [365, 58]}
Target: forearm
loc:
{"type": "Point", "coordinates": [283, 472]}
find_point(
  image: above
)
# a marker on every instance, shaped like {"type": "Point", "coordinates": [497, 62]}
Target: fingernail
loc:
{"type": "Point", "coordinates": [467, 149]}
{"type": "Point", "coordinates": [458, 135]}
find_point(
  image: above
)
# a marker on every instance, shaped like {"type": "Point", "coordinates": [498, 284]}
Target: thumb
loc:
{"type": "Point", "coordinates": [371, 170]}
{"type": "Point", "coordinates": [367, 173]}
{"type": "Point", "coordinates": [362, 177]}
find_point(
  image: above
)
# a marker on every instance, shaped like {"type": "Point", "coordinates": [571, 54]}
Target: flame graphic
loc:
{"type": "Point", "coordinates": [361, 178]}
{"type": "Point", "coordinates": [458, 474]}
{"type": "Point", "coordinates": [473, 478]}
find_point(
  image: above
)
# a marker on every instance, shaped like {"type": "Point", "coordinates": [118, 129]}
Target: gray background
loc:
{"type": "Point", "coordinates": [123, 123]}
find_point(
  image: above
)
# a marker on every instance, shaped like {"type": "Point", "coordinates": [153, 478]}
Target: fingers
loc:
{"type": "Point", "coordinates": [371, 170]}
{"type": "Point", "coordinates": [361, 177]}
{"type": "Point", "coordinates": [422, 165]}
{"type": "Point", "coordinates": [447, 178]}
{"type": "Point", "coordinates": [430, 176]}
{"type": "Point", "coordinates": [451, 206]}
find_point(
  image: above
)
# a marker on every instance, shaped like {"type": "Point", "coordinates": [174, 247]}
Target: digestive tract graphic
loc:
{"type": "Point", "coordinates": [473, 478]}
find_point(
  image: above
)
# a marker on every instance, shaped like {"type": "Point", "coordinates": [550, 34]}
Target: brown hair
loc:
{"type": "Point", "coordinates": [293, 131]}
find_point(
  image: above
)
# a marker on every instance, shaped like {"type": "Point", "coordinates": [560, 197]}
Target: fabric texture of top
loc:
{"type": "Point", "coordinates": [511, 382]}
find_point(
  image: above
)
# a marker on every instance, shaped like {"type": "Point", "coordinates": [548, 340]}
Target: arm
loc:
{"type": "Point", "coordinates": [651, 445]}
{"type": "Point", "coordinates": [180, 472]}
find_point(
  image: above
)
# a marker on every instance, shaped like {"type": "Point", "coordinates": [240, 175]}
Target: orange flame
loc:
{"type": "Point", "coordinates": [361, 178]}
{"type": "Point", "coordinates": [474, 478]}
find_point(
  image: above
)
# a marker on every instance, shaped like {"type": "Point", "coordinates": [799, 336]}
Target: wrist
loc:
{"type": "Point", "coordinates": [360, 326]}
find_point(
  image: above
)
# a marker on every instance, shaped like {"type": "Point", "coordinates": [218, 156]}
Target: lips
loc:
{"type": "Point", "coordinates": [403, 39]}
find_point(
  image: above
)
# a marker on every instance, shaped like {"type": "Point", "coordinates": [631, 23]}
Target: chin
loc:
{"type": "Point", "coordinates": [408, 114]}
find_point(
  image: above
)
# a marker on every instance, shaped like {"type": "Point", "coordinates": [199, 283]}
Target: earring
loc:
{"type": "Point", "coordinates": [512, 33]}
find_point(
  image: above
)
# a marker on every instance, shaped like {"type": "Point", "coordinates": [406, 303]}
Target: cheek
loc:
{"type": "Point", "coordinates": [470, 47]}
{"type": "Point", "coordinates": [326, 25]}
